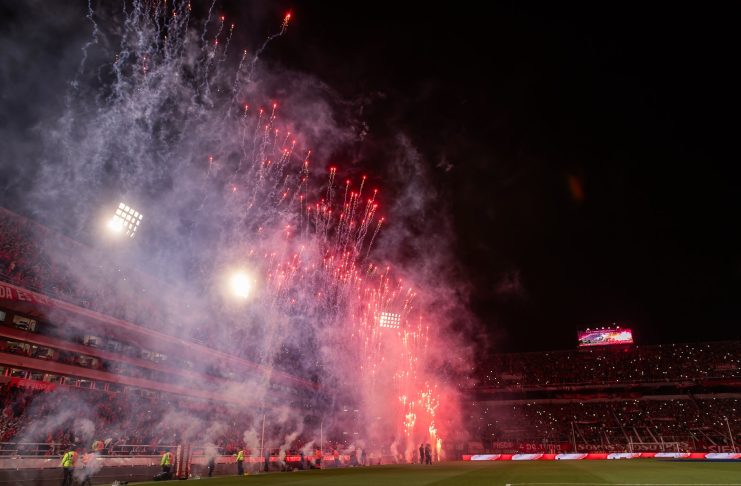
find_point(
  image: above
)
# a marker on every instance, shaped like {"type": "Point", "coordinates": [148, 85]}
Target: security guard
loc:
{"type": "Point", "coordinates": [240, 462]}
{"type": "Point", "coordinates": [68, 464]}
{"type": "Point", "coordinates": [166, 462]}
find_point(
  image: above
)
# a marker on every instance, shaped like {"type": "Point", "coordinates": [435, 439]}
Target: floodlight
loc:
{"type": "Point", "coordinates": [389, 320]}
{"type": "Point", "coordinates": [125, 220]}
{"type": "Point", "coordinates": [241, 285]}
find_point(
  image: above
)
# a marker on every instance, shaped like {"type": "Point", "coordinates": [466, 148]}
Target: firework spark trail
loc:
{"type": "Point", "coordinates": [206, 22]}
{"type": "Point", "coordinates": [226, 44]}
{"type": "Point", "coordinates": [267, 41]}
{"type": "Point", "coordinates": [254, 200]}
{"type": "Point", "coordinates": [93, 41]}
{"type": "Point", "coordinates": [214, 46]}
{"type": "Point", "coordinates": [236, 82]}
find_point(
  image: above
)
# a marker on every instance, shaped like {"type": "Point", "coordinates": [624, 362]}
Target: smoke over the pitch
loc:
{"type": "Point", "coordinates": [227, 163]}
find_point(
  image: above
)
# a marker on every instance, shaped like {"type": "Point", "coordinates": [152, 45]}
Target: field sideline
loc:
{"type": "Point", "coordinates": [644, 472]}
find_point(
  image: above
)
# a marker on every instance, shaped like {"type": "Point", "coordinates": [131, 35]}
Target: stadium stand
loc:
{"type": "Point", "coordinates": [631, 364]}
{"type": "Point", "coordinates": [70, 350]}
{"type": "Point", "coordinates": [624, 398]}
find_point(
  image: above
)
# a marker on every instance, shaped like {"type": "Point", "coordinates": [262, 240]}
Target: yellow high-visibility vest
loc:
{"type": "Point", "coordinates": [166, 459]}
{"type": "Point", "coordinates": [69, 459]}
{"type": "Point", "coordinates": [240, 455]}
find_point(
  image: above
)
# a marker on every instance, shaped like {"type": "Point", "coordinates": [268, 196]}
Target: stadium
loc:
{"type": "Point", "coordinates": [193, 288]}
{"type": "Point", "coordinates": [605, 399]}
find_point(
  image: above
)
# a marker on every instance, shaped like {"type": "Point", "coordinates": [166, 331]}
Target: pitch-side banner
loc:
{"type": "Point", "coordinates": [12, 293]}
{"type": "Point", "coordinates": [602, 456]}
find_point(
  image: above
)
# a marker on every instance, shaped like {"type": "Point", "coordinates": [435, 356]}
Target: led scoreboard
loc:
{"type": "Point", "coordinates": [605, 336]}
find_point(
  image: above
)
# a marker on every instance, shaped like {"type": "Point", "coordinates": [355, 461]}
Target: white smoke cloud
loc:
{"type": "Point", "coordinates": [159, 121]}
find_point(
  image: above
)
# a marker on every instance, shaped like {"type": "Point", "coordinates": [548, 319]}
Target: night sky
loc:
{"type": "Point", "coordinates": [584, 154]}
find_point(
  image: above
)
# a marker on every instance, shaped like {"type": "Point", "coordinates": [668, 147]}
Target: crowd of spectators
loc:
{"type": "Point", "coordinates": [697, 422]}
{"type": "Point", "coordinates": [144, 419]}
{"type": "Point", "coordinates": [49, 421]}
{"type": "Point", "coordinates": [597, 397]}
{"type": "Point", "coordinates": [609, 365]}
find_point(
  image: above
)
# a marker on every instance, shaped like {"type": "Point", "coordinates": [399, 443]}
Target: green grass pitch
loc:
{"type": "Point", "coordinates": [636, 472]}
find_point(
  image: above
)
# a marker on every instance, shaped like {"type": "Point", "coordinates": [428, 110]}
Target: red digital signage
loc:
{"type": "Point", "coordinates": [605, 337]}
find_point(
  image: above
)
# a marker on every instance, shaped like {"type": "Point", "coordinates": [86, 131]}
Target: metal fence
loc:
{"type": "Point", "coordinates": [36, 449]}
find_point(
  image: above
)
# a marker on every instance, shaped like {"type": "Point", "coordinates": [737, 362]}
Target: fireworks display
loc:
{"type": "Point", "coordinates": [167, 114]}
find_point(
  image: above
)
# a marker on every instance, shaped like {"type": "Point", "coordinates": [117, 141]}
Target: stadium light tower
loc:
{"type": "Point", "coordinates": [126, 220]}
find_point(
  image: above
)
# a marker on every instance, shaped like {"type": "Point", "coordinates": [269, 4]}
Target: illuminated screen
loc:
{"type": "Point", "coordinates": [603, 337]}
